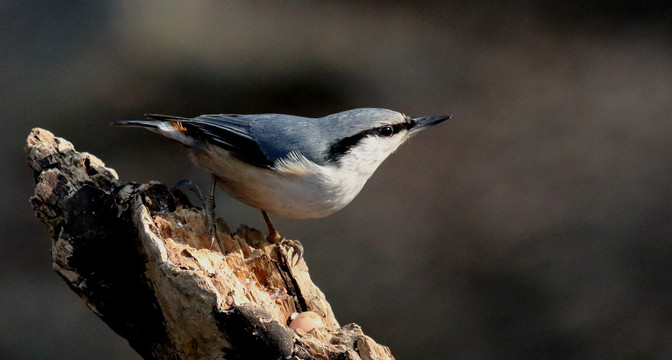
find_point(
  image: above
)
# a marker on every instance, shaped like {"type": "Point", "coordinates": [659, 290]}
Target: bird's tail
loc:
{"type": "Point", "coordinates": [168, 126]}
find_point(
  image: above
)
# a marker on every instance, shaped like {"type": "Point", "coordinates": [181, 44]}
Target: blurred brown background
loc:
{"type": "Point", "coordinates": [534, 225]}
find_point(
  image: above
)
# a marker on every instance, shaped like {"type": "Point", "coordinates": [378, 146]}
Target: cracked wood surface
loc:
{"type": "Point", "coordinates": [139, 256]}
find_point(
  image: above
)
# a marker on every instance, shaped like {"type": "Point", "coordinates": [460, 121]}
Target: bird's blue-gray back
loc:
{"type": "Point", "coordinates": [278, 135]}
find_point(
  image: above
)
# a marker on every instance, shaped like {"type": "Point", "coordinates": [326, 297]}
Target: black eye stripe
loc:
{"type": "Point", "coordinates": [341, 147]}
{"type": "Point", "coordinates": [396, 128]}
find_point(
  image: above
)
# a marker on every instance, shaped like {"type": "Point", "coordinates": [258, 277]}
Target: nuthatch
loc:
{"type": "Point", "coordinates": [290, 166]}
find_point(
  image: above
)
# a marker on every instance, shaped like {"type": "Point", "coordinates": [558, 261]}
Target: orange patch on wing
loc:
{"type": "Point", "coordinates": [177, 125]}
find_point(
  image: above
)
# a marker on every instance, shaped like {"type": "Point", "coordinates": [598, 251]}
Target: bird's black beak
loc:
{"type": "Point", "coordinates": [427, 121]}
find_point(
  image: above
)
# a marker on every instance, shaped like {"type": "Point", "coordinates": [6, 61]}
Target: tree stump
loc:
{"type": "Point", "coordinates": [139, 256]}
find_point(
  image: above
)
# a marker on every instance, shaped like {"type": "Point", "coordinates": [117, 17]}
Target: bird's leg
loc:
{"type": "Point", "coordinates": [275, 238]}
{"type": "Point", "coordinates": [211, 226]}
{"type": "Point", "coordinates": [273, 235]}
{"type": "Point", "coordinates": [212, 219]}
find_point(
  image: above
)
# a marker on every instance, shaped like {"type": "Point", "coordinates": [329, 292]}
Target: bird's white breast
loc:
{"type": "Point", "coordinates": [298, 188]}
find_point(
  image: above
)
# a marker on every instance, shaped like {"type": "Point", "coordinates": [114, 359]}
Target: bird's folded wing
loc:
{"type": "Point", "coordinates": [230, 132]}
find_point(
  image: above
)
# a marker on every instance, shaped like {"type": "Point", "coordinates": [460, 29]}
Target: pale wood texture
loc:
{"type": "Point", "coordinates": [139, 256]}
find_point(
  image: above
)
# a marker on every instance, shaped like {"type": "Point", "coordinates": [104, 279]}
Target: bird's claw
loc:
{"type": "Point", "coordinates": [213, 237]}
{"type": "Point", "coordinates": [297, 250]}
{"type": "Point", "coordinates": [275, 238]}
{"type": "Point", "coordinates": [295, 245]}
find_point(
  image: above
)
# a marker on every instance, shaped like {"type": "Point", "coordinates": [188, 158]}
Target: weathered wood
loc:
{"type": "Point", "coordinates": [138, 255]}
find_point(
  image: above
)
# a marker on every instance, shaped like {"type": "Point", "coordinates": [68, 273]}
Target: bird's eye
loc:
{"type": "Point", "coordinates": [385, 131]}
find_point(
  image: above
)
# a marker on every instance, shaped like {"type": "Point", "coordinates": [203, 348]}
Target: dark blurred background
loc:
{"type": "Point", "coordinates": [537, 224]}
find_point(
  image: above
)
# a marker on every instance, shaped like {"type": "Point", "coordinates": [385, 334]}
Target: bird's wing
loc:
{"type": "Point", "coordinates": [230, 132]}
{"type": "Point", "coordinates": [260, 139]}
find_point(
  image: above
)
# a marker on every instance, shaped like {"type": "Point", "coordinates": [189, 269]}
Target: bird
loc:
{"type": "Point", "coordinates": [286, 165]}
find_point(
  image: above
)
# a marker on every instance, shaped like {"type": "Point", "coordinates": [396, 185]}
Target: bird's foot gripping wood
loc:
{"type": "Point", "coordinates": [297, 250]}
{"type": "Point", "coordinates": [275, 238]}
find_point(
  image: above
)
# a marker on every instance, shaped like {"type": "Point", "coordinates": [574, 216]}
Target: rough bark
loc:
{"type": "Point", "coordinates": [139, 256]}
